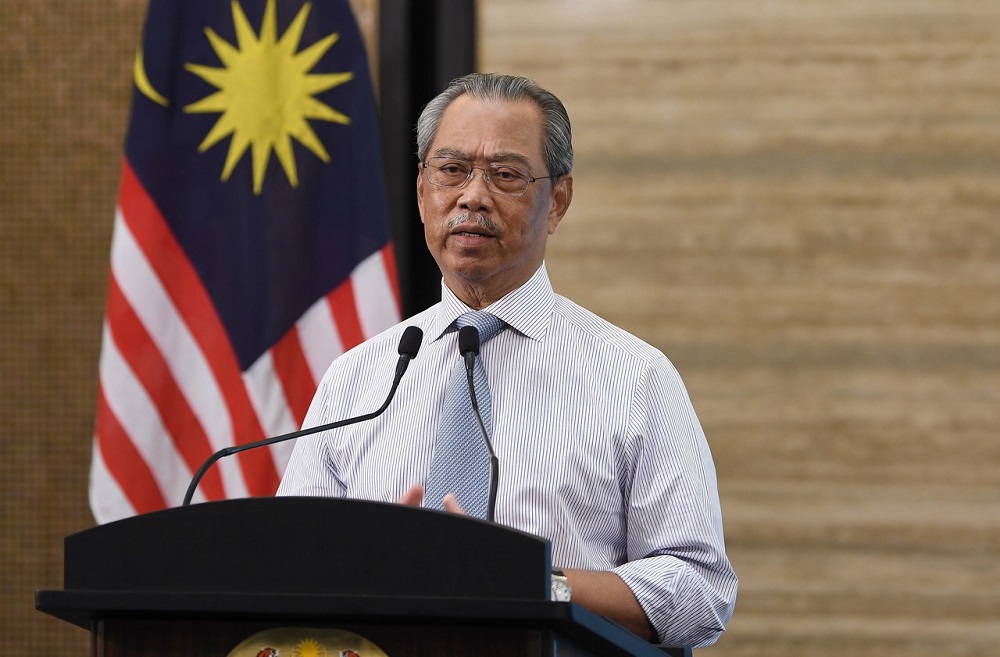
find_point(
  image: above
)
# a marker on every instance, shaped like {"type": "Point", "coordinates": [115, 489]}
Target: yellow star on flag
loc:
{"type": "Point", "coordinates": [266, 93]}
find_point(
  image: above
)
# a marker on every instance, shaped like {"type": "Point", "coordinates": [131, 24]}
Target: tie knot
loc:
{"type": "Point", "coordinates": [488, 325]}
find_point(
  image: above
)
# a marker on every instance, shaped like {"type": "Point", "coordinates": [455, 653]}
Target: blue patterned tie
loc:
{"type": "Point", "coordinates": [461, 463]}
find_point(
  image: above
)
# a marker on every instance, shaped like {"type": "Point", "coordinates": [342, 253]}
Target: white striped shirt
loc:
{"type": "Point", "coordinates": [600, 450]}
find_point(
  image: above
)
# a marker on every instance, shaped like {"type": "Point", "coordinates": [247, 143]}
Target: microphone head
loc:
{"type": "Point", "coordinates": [468, 340]}
{"type": "Point", "coordinates": [409, 344]}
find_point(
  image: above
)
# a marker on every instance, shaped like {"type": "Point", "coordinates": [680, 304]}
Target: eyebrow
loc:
{"type": "Point", "coordinates": [497, 157]}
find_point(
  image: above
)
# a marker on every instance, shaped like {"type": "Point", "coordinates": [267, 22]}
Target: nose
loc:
{"type": "Point", "coordinates": [476, 194]}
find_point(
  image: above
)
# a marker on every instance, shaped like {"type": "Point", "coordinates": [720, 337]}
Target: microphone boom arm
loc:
{"type": "Point", "coordinates": [409, 345]}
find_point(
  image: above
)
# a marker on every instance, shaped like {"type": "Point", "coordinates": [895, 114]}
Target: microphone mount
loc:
{"type": "Point", "coordinates": [468, 346]}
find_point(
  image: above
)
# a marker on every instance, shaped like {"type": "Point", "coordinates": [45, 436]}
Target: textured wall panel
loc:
{"type": "Point", "coordinates": [799, 202]}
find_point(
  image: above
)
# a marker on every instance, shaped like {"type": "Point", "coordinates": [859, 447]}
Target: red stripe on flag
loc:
{"type": "Point", "coordinates": [144, 358]}
{"type": "Point", "coordinates": [124, 461]}
{"type": "Point", "coordinates": [389, 262]}
{"type": "Point", "coordinates": [345, 315]}
{"type": "Point", "coordinates": [292, 369]}
{"type": "Point", "coordinates": [184, 287]}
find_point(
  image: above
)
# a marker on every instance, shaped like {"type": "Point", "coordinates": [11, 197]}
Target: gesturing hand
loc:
{"type": "Point", "coordinates": [415, 497]}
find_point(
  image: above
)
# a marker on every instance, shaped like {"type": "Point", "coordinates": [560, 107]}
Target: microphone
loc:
{"type": "Point", "coordinates": [468, 346]}
{"type": "Point", "coordinates": [409, 345]}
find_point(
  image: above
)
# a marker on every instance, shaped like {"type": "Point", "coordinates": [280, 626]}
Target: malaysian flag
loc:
{"type": "Point", "coordinates": [250, 248]}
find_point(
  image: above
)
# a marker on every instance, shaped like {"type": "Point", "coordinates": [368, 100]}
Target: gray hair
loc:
{"type": "Point", "coordinates": [557, 134]}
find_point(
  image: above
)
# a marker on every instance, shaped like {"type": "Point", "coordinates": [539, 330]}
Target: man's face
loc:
{"type": "Point", "coordinates": [482, 263]}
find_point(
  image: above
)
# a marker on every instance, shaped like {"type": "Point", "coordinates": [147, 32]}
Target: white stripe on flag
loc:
{"type": "Point", "coordinates": [140, 420]}
{"type": "Point", "coordinates": [148, 298]}
{"type": "Point", "coordinates": [373, 296]}
{"type": "Point", "coordinates": [268, 397]}
{"type": "Point", "coordinates": [319, 337]}
{"type": "Point", "coordinates": [107, 501]}
{"type": "Point", "coordinates": [281, 452]}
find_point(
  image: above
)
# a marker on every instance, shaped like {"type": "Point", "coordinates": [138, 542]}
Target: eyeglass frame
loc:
{"type": "Point", "coordinates": [486, 176]}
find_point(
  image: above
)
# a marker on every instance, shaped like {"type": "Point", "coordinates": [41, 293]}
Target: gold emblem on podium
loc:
{"type": "Point", "coordinates": [306, 642]}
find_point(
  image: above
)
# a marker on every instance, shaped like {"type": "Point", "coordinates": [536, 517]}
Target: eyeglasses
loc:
{"type": "Point", "coordinates": [500, 178]}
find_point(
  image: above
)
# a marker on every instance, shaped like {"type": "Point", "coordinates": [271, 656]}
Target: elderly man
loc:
{"type": "Point", "coordinates": [600, 451]}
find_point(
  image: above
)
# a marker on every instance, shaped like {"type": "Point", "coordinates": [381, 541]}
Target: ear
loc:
{"type": "Point", "coordinates": [562, 196]}
{"type": "Point", "coordinates": [420, 192]}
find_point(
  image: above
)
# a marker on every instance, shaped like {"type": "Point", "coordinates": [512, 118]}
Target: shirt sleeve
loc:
{"type": "Point", "coordinates": [310, 470]}
{"type": "Point", "coordinates": [677, 566]}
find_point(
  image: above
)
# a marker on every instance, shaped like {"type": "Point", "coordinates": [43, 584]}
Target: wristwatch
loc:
{"type": "Point", "coordinates": [561, 590]}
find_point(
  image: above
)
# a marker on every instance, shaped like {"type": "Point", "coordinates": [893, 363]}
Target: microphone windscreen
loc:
{"type": "Point", "coordinates": [409, 344]}
{"type": "Point", "coordinates": [468, 340]}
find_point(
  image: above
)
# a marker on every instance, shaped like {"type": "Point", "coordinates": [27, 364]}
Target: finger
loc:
{"type": "Point", "coordinates": [451, 504]}
{"type": "Point", "coordinates": [414, 496]}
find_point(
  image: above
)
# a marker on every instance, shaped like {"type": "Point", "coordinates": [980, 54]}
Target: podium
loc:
{"type": "Point", "coordinates": [317, 577]}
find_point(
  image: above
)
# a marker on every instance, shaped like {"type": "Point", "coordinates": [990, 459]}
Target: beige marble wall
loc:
{"type": "Point", "coordinates": [799, 202]}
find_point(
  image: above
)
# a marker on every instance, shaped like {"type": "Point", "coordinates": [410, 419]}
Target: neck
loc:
{"type": "Point", "coordinates": [473, 297]}
{"type": "Point", "coordinates": [477, 295]}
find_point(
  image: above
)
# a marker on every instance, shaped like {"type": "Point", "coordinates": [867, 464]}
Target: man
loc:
{"type": "Point", "coordinates": [599, 448]}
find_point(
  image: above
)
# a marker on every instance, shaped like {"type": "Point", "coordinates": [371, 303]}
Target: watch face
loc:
{"type": "Point", "coordinates": [561, 592]}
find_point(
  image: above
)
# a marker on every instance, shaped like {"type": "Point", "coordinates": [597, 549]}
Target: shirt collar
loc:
{"type": "Point", "coordinates": [527, 309]}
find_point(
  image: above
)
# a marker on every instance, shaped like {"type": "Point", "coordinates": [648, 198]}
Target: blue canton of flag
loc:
{"type": "Point", "coordinates": [251, 244]}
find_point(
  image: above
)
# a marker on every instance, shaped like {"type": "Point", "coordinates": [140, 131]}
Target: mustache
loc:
{"type": "Point", "coordinates": [480, 220]}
